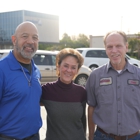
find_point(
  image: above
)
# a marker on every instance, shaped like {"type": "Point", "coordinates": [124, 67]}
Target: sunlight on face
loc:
{"type": "Point", "coordinates": [116, 49]}
{"type": "Point", "coordinates": [68, 69]}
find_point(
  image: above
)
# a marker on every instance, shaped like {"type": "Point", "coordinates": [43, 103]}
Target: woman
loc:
{"type": "Point", "coordinates": [65, 101]}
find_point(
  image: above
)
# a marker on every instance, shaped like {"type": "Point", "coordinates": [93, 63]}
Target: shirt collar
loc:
{"type": "Point", "coordinates": [13, 63]}
{"type": "Point", "coordinates": [127, 67]}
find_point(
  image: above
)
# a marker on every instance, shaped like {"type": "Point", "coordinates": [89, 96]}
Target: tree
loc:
{"type": "Point", "coordinates": [74, 42]}
{"type": "Point", "coordinates": [66, 41]}
{"type": "Point", "coordinates": [83, 41]}
{"type": "Point", "coordinates": [48, 47]}
{"type": "Point", "coordinates": [134, 47]}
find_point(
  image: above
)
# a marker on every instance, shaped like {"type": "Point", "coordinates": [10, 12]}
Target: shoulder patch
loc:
{"type": "Point", "coordinates": [106, 81]}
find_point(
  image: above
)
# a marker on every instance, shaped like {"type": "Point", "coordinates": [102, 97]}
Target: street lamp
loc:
{"type": "Point", "coordinates": [121, 22]}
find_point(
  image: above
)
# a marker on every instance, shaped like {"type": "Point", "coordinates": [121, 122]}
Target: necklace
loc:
{"type": "Point", "coordinates": [29, 80]}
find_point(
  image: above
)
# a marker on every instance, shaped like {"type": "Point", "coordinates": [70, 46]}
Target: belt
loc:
{"type": "Point", "coordinates": [118, 137]}
{"type": "Point", "coordinates": [10, 138]}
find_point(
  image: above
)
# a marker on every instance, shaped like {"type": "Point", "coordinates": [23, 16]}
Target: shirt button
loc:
{"type": "Point", "coordinates": [119, 99]}
{"type": "Point", "coordinates": [119, 123]}
{"type": "Point", "coordinates": [119, 111]}
{"type": "Point", "coordinates": [118, 86]}
{"type": "Point", "coordinates": [132, 89]}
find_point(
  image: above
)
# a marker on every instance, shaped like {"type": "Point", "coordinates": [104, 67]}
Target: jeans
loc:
{"type": "Point", "coordinates": [100, 136]}
{"type": "Point", "coordinates": [35, 137]}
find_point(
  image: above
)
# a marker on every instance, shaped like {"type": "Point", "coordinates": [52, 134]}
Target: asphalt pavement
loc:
{"type": "Point", "coordinates": [43, 128]}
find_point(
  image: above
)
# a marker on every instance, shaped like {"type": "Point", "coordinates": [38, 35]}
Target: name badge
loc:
{"type": "Point", "coordinates": [133, 82]}
{"type": "Point", "coordinates": [105, 81]}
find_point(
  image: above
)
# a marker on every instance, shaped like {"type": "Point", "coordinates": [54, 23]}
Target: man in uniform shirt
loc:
{"type": "Point", "coordinates": [113, 92]}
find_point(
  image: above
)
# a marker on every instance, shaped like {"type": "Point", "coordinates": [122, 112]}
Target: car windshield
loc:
{"type": "Point", "coordinates": [80, 51]}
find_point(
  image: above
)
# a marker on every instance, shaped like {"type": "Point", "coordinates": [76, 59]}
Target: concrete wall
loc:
{"type": "Point", "coordinates": [96, 42]}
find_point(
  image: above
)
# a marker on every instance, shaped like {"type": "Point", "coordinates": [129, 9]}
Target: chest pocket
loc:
{"type": "Point", "coordinates": [105, 95]}
{"type": "Point", "coordinates": [132, 95]}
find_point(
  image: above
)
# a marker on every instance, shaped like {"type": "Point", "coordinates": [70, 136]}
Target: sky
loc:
{"type": "Point", "coordinates": [89, 17]}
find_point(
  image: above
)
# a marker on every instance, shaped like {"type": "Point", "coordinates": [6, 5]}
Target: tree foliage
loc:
{"type": "Point", "coordinates": [74, 42]}
{"type": "Point", "coordinates": [67, 42]}
{"type": "Point", "coordinates": [134, 46]}
{"type": "Point", "coordinates": [83, 40]}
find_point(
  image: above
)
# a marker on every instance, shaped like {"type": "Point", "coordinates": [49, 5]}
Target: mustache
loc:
{"type": "Point", "coordinates": [29, 46]}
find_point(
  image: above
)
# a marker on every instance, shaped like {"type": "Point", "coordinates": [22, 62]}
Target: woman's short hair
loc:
{"type": "Point", "coordinates": [68, 52]}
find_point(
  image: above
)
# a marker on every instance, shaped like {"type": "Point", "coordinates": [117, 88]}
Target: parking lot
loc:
{"type": "Point", "coordinates": [43, 128]}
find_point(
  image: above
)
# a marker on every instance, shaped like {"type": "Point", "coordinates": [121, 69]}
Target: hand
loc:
{"type": "Point", "coordinates": [90, 138]}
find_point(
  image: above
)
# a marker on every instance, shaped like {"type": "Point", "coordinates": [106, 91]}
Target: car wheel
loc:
{"type": "Point", "coordinates": [81, 79]}
{"type": "Point", "coordinates": [92, 67]}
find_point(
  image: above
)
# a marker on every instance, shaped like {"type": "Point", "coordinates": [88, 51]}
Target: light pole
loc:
{"type": "Point", "coordinates": [121, 22]}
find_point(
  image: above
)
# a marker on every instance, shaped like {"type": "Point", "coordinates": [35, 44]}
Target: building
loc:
{"type": "Point", "coordinates": [97, 41]}
{"type": "Point", "coordinates": [48, 26]}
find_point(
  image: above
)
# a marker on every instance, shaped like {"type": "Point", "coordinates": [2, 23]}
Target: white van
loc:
{"type": "Point", "coordinates": [95, 57]}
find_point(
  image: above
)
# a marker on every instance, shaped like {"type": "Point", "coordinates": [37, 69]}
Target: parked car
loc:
{"type": "Point", "coordinates": [45, 60]}
{"type": "Point", "coordinates": [95, 57]}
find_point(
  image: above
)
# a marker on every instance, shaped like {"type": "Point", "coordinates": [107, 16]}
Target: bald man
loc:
{"type": "Point", "coordinates": [20, 88]}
